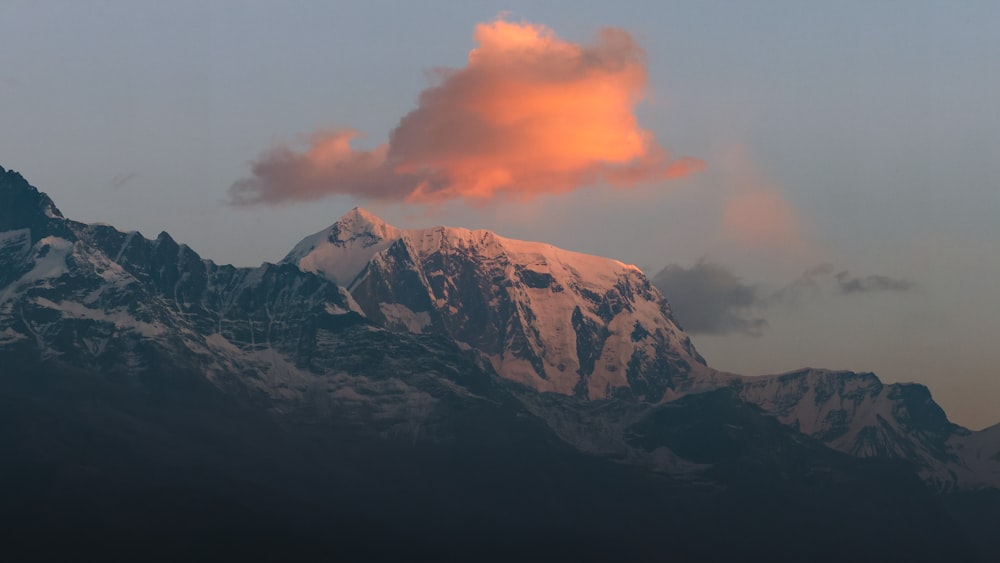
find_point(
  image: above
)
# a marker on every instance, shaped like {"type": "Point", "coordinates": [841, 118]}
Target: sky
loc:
{"type": "Point", "coordinates": [821, 178]}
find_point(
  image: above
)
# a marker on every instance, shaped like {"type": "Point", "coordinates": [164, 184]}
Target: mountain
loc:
{"type": "Point", "coordinates": [574, 324]}
{"type": "Point", "coordinates": [858, 414]}
{"type": "Point", "coordinates": [548, 318]}
{"type": "Point", "coordinates": [154, 404]}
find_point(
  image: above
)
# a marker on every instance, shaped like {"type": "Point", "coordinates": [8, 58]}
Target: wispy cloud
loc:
{"type": "Point", "coordinates": [847, 283]}
{"type": "Point", "coordinates": [709, 298]}
{"type": "Point", "coordinates": [530, 113]}
{"type": "Point", "coordinates": [120, 180]}
{"type": "Point", "coordinates": [825, 277]}
{"type": "Point", "coordinates": [756, 213]}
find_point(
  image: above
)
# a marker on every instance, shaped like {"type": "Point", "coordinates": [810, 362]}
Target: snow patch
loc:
{"type": "Point", "coordinates": [120, 318]}
{"type": "Point", "coordinates": [50, 262]}
{"type": "Point", "coordinates": [402, 316]}
{"type": "Point", "coordinates": [332, 309]}
{"type": "Point", "coordinates": [9, 336]}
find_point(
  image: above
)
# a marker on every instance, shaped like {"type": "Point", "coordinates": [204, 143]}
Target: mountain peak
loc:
{"type": "Point", "coordinates": [22, 206]}
{"type": "Point", "coordinates": [18, 197]}
{"type": "Point", "coordinates": [360, 214]}
{"type": "Point", "coordinates": [360, 221]}
{"type": "Point", "coordinates": [549, 318]}
{"type": "Point", "coordinates": [341, 251]}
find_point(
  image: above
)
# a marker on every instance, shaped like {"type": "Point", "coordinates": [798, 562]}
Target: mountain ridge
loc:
{"type": "Point", "coordinates": [277, 378]}
{"type": "Point", "coordinates": [852, 412]}
{"type": "Point", "coordinates": [202, 303]}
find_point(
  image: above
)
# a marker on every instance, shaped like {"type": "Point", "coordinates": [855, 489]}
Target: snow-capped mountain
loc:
{"type": "Point", "coordinates": [548, 318]}
{"type": "Point", "coordinates": [95, 297]}
{"type": "Point", "coordinates": [591, 327]}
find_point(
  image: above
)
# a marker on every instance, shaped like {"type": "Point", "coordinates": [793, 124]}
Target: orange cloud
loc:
{"type": "Point", "coordinates": [530, 113]}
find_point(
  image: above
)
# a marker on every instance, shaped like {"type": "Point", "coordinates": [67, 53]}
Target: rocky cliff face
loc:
{"type": "Point", "coordinates": [550, 319]}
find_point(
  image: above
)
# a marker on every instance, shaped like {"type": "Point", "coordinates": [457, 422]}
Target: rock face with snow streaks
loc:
{"type": "Point", "coordinates": [93, 296]}
{"type": "Point", "coordinates": [548, 318]}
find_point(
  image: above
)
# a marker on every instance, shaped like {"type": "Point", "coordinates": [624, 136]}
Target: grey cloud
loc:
{"type": "Point", "coordinates": [708, 298]}
{"type": "Point", "coordinates": [809, 284]}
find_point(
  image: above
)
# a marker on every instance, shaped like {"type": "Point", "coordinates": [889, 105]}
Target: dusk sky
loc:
{"type": "Point", "coordinates": [823, 177]}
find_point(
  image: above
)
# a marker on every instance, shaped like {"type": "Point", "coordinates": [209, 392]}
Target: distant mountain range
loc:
{"type": "Point", "coordinates": [435, 394]}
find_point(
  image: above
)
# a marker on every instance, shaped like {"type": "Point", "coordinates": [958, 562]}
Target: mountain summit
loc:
{"type": "Point", "coordinates": [548, 318]}
{"type": "Point", "coordinates": [341, 251]}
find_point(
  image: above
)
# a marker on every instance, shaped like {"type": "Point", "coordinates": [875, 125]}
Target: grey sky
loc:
{"type": "Point", "coordinates": [875, 123]}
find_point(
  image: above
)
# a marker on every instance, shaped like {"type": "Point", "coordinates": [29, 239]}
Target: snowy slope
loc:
{"type": "Point", "coordinates": [548, 318]}
{"type": "Point", "coordinates": [341, 251]}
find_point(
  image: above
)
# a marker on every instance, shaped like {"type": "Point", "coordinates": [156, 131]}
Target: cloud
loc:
{"type": "Point", "coordinates": [761, 217]}
{"type": "Point", "coordinates": [809, 284]}
{"type": "Point", "coordinates": [328, 166]}
{"type": "Point", "coordinates": [708, 298]}
{"type": "Point", "coordinates": [120, 180]}
{"type": "Point", "coordinates": [530, 113]}
{"type": "Point", "coordinates": [849, 284]}
{"type": "Point", "coordinates": [813, 281]}
{"type": "Point", "coordinates": [756, 213]}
